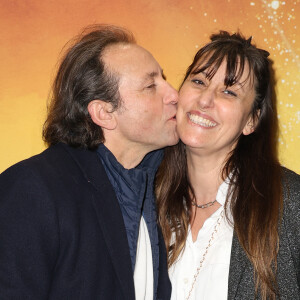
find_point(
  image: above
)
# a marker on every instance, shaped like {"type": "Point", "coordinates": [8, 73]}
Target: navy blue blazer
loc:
{"type": "Point", "coordinates": [62, 234]}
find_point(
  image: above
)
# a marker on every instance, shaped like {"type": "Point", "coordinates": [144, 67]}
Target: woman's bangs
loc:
{"type": "Point", "coordinates": [210, 62]}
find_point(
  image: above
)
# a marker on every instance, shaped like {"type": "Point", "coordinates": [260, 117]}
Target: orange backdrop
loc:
{"type": "Point", "coordinates": [33, 33]}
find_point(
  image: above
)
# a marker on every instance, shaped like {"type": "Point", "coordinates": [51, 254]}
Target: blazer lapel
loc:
{"type": "Point", "coordinates": [238, 262]}
{"type": "Point", "coordinates": [112, 225]}
{"type": "Point", "coordinates": [109, 216]}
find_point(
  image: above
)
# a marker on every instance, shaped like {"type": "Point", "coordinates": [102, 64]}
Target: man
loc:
{"type": "Point", "coordinates": [78, 220]}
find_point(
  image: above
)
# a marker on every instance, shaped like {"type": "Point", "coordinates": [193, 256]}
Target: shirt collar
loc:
{"type": "Point", "coordinates": [222, 191]}
{"type": "Point", "coordinates": [133, 177]}
{"type": "Point", "coordinates": [150, 162]}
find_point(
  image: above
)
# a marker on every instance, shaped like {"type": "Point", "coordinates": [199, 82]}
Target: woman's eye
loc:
{"type": "Point", "coordinates": [230, 93]}
{"type": "Point", "coordinates": [198, 81]}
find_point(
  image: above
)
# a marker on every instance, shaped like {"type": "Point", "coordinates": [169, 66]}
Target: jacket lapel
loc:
{"type": "Point", "coordinates": [109, 216]}
{"type": "Point", "coordinates": [238, 263]}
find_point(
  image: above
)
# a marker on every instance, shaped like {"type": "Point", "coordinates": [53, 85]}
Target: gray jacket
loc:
{"type": "Point", "coordinates": [241, 282]}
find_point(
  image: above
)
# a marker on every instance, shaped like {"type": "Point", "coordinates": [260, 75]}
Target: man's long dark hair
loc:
{"type": "Point", "coordinates": [82, 77]}
{"type": "Point", "coordinates": [255, 185]}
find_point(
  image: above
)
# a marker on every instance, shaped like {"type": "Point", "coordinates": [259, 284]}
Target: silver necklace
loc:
{"type": "Point", "coordinates": [216, 228]}
{"type": "Point", "coordinates": [208, 204]}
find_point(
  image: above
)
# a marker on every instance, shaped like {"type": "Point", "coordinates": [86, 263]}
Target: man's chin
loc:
{"type": "Point", "coordinates": [174, 140]}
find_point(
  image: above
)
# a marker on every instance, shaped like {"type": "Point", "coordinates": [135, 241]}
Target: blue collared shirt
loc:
{"type": "Point", "coordinates": [135, 194]}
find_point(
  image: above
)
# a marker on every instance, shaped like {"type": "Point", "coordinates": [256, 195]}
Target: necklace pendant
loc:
{"type": "Point", "coordinates": [204, 205]}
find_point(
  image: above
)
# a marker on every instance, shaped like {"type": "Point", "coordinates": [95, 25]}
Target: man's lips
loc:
{"type": "Point", "coordinates": [202, 120]}
{"type": "Point", "coordinates": [173, 118]}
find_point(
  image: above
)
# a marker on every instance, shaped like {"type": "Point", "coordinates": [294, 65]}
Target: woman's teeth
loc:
{"type": "Point", "coordinates": [201, 121]}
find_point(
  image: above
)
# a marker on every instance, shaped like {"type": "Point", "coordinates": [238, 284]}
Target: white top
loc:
{"type": "Point", "coordinates": [212, 281]}
{"type": "Point", "coordinates": [143, 271]}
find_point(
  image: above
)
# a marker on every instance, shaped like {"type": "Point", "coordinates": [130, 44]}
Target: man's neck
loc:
{"type": "Point", "coordinates": [129, 156]}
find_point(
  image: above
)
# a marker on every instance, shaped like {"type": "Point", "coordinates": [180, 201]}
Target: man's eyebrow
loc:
{"type": "Point", "coordinates": [154, 74]}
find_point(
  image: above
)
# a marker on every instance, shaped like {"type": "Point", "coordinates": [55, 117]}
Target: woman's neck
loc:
{"type": "Point", "coordinates": [205, 174]}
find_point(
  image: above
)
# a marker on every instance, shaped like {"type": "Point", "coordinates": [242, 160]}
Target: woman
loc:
{"type": "Point", "coordinates": [230, 213]}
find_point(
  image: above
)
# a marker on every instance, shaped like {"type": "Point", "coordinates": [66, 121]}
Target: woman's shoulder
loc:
{"type": "Point", "coordinates": [291, 192]}
{"type": "Point", "coordinates": [290, 175]}
{"type": "Point", "coordinates": [290, 181]}
{"type": "Point", "coordinates": [290, 235]}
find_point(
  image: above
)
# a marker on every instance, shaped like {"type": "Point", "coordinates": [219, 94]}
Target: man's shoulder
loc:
{"type": "Point", "coordinates": [54, 162]}
{"type": "Point", "coordinates": [53, 156]}
{"type": "Point", "coordinates": [57, 174]}
{"type": "Point", "coordinates": [45, 159]}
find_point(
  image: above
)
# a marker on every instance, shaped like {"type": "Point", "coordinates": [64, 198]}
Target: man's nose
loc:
{"type": "Point", "coordinates": [171, 96]}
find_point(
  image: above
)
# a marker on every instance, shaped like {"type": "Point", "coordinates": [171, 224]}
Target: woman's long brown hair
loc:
{"type": "Point", "coordinates": [255, 188]}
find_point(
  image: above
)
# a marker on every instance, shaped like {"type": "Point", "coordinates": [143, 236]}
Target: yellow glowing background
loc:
{"type": "Point", "coordinates": [33, 33]}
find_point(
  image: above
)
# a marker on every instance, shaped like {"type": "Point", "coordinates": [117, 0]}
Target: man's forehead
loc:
{"type": "Point", "coordinates": [118, 49]}
{"type": "Point", "coordinates": [130, 58]}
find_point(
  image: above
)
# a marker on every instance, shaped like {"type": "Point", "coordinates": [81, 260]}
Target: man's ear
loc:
{"type": "Point", "coordinates": [101, 113]}
{"type": "Point", "coordinates": [251, 124]}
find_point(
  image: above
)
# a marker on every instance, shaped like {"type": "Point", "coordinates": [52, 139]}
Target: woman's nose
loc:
{"type": "Point", "coordinates": [206, 99]}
